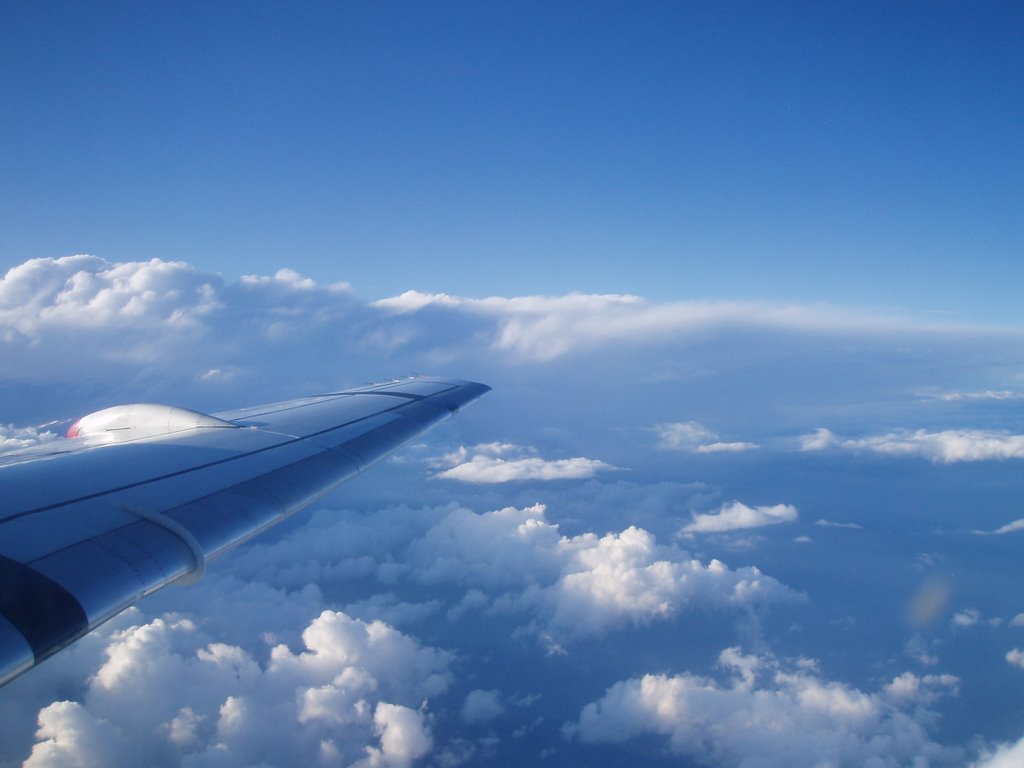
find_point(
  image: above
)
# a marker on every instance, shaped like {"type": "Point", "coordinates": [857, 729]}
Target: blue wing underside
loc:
{"type": "Point", "coordinates": [88, 529]}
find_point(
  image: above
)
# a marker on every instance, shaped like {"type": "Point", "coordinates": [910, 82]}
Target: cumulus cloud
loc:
{"type": "Point", "coordinates": [579, 585]}
{"type": "Point", "coordinates": [69, 735]}
{"type": "Point", "coordinates": [1016, 657]}
{"type": "Point", "coordinates": [967, 617]}
{"type": "Point", "coordinates": [503, 463]}
{"type": "Point", "coordinates": [765, 708]}
{"type": "Point", "coordinates": [12, 437]}
{"type": "Point", "coordinates": [403, 737]}
{"type": "Point", "coordinates": [353, 690]}
{"type": "Point", "coordinates": [286, 678]}
{"type": "Point", "coordinates": [970, 617]}
{"type": "Point", "coordinates": [696, 438]}
{"type": "Point", "coordinates": [944, 447]}
{"type": "Point", "coordinates": [74, 314]}
{"type": "Point", "coordinates": [1009, 755]}
{"type": "Point", "coordinates": [736, 515]}
{"type": "Point", "coordinates": [84, 291]}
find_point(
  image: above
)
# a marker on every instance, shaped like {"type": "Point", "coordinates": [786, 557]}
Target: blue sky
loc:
{"type": "Point", "coordinates": [865, 154]}
{"type": "Point", "coordinates": [777, 484]}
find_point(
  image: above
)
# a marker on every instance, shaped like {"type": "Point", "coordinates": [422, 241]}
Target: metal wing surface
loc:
{"type": "Point", "coordinates": [149, 494]}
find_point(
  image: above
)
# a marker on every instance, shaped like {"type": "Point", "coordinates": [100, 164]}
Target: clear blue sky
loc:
{"type": "Point", "coordinates": [860, 153]}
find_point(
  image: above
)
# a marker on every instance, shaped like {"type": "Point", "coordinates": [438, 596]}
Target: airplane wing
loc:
{"type": "Point", "coordinates": [143, 496]}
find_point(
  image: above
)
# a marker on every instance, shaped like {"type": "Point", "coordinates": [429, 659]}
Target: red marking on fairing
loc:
{"type": "Point", "coordinates": [73, 429]}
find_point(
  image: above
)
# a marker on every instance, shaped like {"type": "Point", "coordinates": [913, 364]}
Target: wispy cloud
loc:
{"type": "Point", "coordinates": [988, 394]}
{"type": "Point", "coordinates": [696, 438]}
{"type": "Point", "coordinates": [545, 327]}
{"type": "Point", "coordinates": [833, 524]}
{"type": "Point", "coordinates": [1016, 525]}
{"type": "Point", "coordinates": [944, 447]}
{"type": "Point", "coordinates": [971, 617]}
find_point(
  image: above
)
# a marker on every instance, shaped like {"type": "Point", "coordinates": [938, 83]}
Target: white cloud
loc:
{"type": "Point", "coordinates": [819, 440]}
{"type": "Point", "coordinates": [967, 617]}
{"type": "Point", "coordinates": [1018, 620]}
{"type": "Point", "coordinates": [696, 438]}
{"type": "Point", "coordinates": [1013, 527]}
{"type": "Point", "coordinates": [1004, 756]}
{"type": "Point", "coordinates": [71, 736]}
{"type": "Point", "coordinates": [580, 585]}
{"type": "Point", "coordinates": [354, 690]}
{"type": "Point", "coordinates": [83, 291]}
{"type": "Point", "coordinates": [491, 469]}
{"type": "Point", "coordinates": [481, 706]}
{"type": "Point", "coordinates": [988, 394]}
{"type": "Point", "coordinates": [945, 447]}
{"type": "Point", "coordinates": [438, 571]}
{"type": "Point", "coordinates": [486, 463]}
{"type": "Point", "coordinates": [12, 438]}
{"type": "Point", "coordinates": [403, 737]}
{"type": "Point", "coordinates": [737, 515]}
{"type": "Point", "coordinates": [909, 688]}
{"type": "Point", "coordinates": [289, 279]}
{"type": "Point", "coordinates": [1016, 657]}
{"type": "Point", "coordinates": [970, 617]}
{"type": "Point", "coordinates": [720, 447]}
{"type": "Point", "coordinates": [77, 315]}
{"type": "Point", "coordinates": [542, 328]}
{"type": "Point", "coordinates": [822, 523]}
{"type": "Point", "coordinates": [286, 680]}
{"type": "Point", "coordinates": [766, 714]}
{"type": "Point", "coordinates": [917, 649]}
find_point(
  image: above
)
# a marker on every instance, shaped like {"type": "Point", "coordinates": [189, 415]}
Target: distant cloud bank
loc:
{"type": "Point", "coordinates": [945, 447]}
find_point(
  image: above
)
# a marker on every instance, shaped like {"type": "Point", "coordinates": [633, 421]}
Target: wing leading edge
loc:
{"type": "Point", "coordinates": [91, 525]}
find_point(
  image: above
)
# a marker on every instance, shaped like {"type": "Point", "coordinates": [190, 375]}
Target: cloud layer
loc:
{"type": "Point", "coordinates": [542, 328]}
{"type": "Point", "coordinates": [421, 620]}
{"type": "Point", "coordinates": [945, 447]}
